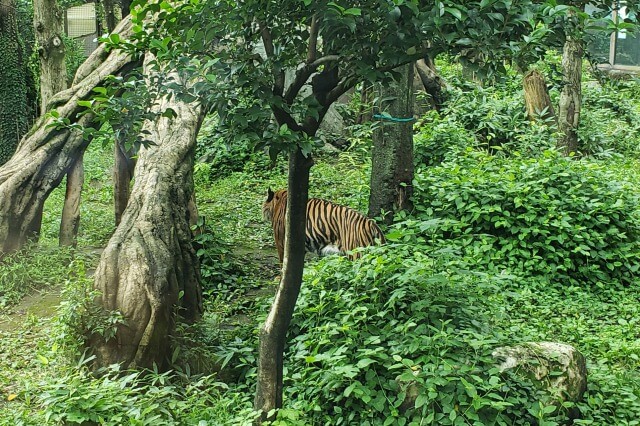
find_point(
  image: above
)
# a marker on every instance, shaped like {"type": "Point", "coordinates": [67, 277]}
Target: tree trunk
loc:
{"type": "Point", "coordinates": [46, 153]}
{"type": "Point", "coordinates": [536, 97]}
{"type": "Point", "coordinates": [274, 331]}
{"type": "Point", "coordinates": [433, 84]}
{"type": "Point", "coordinates": [123, 173]}
{"type": "Point", "coordinates": [70, 220]}
{"type": "Point", "coordinates": [149, 267]}
{"type": "Point", "coordinates": [571, 96]}
{"type": "Point", "coordinates": [48, 20]}
{"type": "Point", "coordinates": [392, 152]}
{"type": "Point", "coordinates": [110, 17]}
{"type": "Point", "coordinates": [13, 100]}
{"type": "Point", "coordinates": [125, 7]}
{"type": "Point", "coordinates": [364, 108]}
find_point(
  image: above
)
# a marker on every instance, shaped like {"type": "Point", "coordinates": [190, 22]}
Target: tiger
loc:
{"type": "Point", "coordinates": [331, 228]}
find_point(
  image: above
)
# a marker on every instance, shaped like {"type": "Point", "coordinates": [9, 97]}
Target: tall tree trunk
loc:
{"type": "Point", "coordinates": [149, 261]}
{"type": "Point", "coordinates": [274, 331]}
{"type": "Point", "coordinates": [46, 153]}
{"type": "Point", "coordinates": [110, 17]}
{"type": "Point", "coordinates": [571, 95]}
{"type": "Point", "coordinates": [70, 221]}
{"type": "Point", "coordinates": [125, 7]}
{"type": "Point", "coordinates": [48, 20]}
{"type": "Point", "coordinates": [364, 108]}
{"type": "Point", "coordinates": [13, 100]}
{"type": "Point", "coordinates": [392, 153]}
{"type": "Point", "coordinates": [536, 97]}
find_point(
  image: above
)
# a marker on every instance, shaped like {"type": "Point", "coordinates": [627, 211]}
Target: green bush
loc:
{"type": "Point", "coordinates": [398, 322]}
{"type": "Point", "coordinates": [134, 398]}
{"type": "Point", "coordinates": [489, 118]}
{"type": "Point", "coordinates": [74, 56]}
{"type": "Point", "coordinates": [610, 120]}
{"type": "Point", "coordinates": [79, 316]}
{"type": "Point", "coordinates": [441, 138]}
{"type": "Point", "coordinates": [550, 216]}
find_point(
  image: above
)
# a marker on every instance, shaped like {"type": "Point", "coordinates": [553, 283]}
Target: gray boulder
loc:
{"type": "Point", "coordinates": [556, 367]}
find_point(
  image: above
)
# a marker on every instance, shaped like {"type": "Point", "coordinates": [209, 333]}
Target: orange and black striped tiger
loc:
{"type": "Point", "coordinates": [331, 228]}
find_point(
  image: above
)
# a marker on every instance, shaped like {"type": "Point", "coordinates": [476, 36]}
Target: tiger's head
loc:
{"type": "Point", "coordinates": [274, 201]}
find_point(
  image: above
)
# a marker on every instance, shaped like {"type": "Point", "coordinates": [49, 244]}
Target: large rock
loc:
{"type": "Point", "coordinates": [555, 367]}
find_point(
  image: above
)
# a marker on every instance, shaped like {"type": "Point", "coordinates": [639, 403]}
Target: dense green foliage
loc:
{"type": "Point", "coordinates": [547, 216]}
{"type": "Point", "coordinates": [13, 75]}
{"type": "Point", "coordinates": [74, 56]}
{"type": "Point", "coordinates": [401, 338]}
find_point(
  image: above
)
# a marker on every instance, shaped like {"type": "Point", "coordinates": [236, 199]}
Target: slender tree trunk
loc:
{"type": "Point", "coordinates": [70, 220]}
{"type": "Point", "coordinates": [571, 95]}
{"type": "Point", "coordinates": [392, 153]}
{"type": "Point", "coordinates": [46, 153]}
{"type": "Point", "coordinates": [274, 331]}
{"type": "Point", "coordinates": [48, 19]}
{"type": "Point", "coordinates": [364, 109]}
{"type": "Point", "coordinates": [536, 97]}
{"type": "Point", "coordinates": [123, 173]}
{"type": "Point", "coordinates": [125, 6]}
{"type": "Point", "coordinates": [110, 18]}
{"type": "Point", "coordinates": [149, 267]}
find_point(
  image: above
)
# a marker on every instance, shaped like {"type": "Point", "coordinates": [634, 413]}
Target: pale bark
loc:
{"type": "Point", "coordinates": [536, 97]}
{"type": "Point", "coordinates": [46, 153]}
{"type": "Point", "coordinates": [48, 20]}
{"type": "Point", "coordinates": [392, 152]}
{"type": "Point", "coordinates": [274, 331]}
{"type": "Point", "coordinates": [571, 96]}
{"type": "Point", "coordinates": [149, 261]}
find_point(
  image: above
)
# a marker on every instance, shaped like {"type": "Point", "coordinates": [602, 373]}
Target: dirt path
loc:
{"type": "Point", "coordinates": [42, 304]}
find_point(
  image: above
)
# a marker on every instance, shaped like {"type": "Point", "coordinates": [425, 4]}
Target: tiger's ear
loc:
{"type": "Point", "coordinates": [270, 195]}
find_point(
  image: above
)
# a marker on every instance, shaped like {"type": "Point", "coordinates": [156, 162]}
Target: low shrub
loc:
{"type": "Point", "coordinates": [441, 138]}
{"type": "Point", "coordinates": [549, 216]}
{"type": "Point", "coordinates": [609, 121]}
{"type": "Point", "coordinates": [400, 337]}
{"type": "Point", "coordinates": [136, 398]}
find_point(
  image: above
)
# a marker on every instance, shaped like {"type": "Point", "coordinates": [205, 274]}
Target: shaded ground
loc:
{"type": "Point", "coordinates": [41, 304]}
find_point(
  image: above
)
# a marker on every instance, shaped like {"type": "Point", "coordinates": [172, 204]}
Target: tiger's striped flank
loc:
{"type": "Point", "coordinates": [331, 228]}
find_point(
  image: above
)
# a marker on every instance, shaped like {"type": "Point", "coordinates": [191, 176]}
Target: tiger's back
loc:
{"type": "Point", "coordinates": [331, 228]}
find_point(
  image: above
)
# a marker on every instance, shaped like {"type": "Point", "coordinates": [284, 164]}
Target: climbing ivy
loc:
{"type": "Point", "coordinates": [13, 102]}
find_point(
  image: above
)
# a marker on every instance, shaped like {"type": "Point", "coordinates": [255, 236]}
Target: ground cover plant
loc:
{"type": "Point", "coordinates": [508, 242]}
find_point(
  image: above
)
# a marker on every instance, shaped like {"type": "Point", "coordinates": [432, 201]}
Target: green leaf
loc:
{"type": "Point", "coordinates": [455, 12]}
{"type": "Point", "coordinates": [421, 400]}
